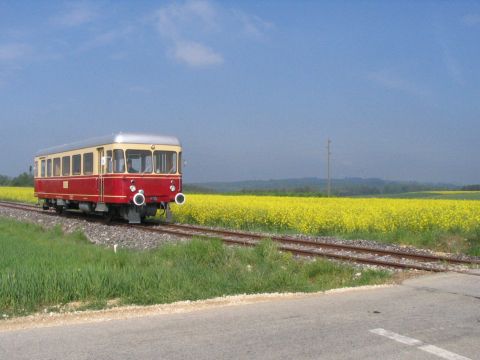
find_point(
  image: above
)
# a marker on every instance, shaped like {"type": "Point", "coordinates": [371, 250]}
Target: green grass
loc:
{"type": "Point", "coordinates": [40, 270]}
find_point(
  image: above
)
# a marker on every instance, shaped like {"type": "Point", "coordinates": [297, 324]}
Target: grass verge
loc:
{"type": "Point", "coordinates": [41, 269]}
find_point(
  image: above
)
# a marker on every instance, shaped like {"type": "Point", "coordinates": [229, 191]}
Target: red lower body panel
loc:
{"type": "Point", "coordinates": [116, 188]}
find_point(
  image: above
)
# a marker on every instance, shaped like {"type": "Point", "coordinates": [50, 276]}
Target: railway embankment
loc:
{"type": "Point", "coordinates": [48, 267]}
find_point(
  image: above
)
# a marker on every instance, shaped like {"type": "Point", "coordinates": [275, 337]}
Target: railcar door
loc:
{"type": "Point", "coordinates": [101, 171]}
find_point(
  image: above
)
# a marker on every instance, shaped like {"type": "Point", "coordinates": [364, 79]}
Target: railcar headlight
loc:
{"type": "Point", "coordinates": [139, 199]}
{"type": "Point", "coordinates": [132, 188]}
{"type": "Point", "coordinates": [172, 188]}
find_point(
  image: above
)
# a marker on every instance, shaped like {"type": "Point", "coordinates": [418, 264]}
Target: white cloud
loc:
{"type": "Point", "coordinates": [203, 9]}
{"type": "Point", "coordinates": [13, 51]}
{"type": "Point", "coordinates": [196, 55]}
{"type": "Point", "coordinates": [453, 67]}
{"type": "Point", "coordinates": [471, 19]}
{"type": "Point", "coordinates": [253, 25]}
{"type": "Point", "coordinates": [174, 21]}
{"type": "Point", "coordinates": [76, 14]}
{"type": "Point", "coordinates": [393, 81]}
{"type": "Point", "coordinates": [185, 26]}
{"type": "Point", "coordinates": [106, 38]}
{"type": "Point", "coordinates": [179, 23]}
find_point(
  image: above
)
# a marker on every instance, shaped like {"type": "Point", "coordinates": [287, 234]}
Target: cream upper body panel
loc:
{"type": "Point", "coordinates": [152, 147]}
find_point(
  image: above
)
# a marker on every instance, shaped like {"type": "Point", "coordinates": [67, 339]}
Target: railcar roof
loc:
{"type": "Point", "coordinates": [118, 138]}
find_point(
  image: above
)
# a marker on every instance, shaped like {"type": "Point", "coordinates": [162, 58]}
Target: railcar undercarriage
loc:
{"type": "Point", "coordinates": [134, 214]}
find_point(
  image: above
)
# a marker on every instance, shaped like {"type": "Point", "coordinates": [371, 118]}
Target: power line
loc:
{"type": "Point", "coordinates": [329, 180]}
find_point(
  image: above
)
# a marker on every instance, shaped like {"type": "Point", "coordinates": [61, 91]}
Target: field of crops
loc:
{"type": "Point", "coordinates": [331, 215]}
{"type": "Point", "coordinates": [20, 194]}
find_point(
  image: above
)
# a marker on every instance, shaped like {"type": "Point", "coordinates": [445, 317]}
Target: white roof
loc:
{"type": "Point", "coordinates": [119, 138]}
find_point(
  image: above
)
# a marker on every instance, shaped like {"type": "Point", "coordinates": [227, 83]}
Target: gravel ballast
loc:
{"type": "Point", "coordinates": [97, 233]}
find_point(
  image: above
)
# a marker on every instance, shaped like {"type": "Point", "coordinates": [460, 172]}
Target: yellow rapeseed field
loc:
{"type": "Point", "coordinates": [21, 194]}
{"type": "Point", "coordinates": [331, 215]}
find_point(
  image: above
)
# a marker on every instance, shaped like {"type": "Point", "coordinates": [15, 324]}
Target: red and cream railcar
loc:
{"type": "Point", "coordinates": [125, 174]}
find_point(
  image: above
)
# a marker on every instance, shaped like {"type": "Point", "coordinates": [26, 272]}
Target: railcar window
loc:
{"type": "Point", "coordinates": [35, 169]}
{"type": "Point", "coordinates": [165, 162]}
{"type": "Point", "coordinates": [118, 161]}
{"type": "Point", "coordinates": [87, 163]}
{"type": "Point", "coordinates": [109, 161]}
{"type": "Point", "coordinates": [77, 164]}
{"type": "Point", "coordinates": [66, 166]}
{"type": "Point", "coordinates": [56, 167]}
{"type": "Point", "coordinates": [49, 167]}
{"type": "Point", "coordinates": [139, 161]}
{"type": "Point", "coordinates": [43, 168]}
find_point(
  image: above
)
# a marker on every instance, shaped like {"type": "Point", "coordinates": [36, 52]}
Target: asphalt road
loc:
{"type": "Point", "coordinates": [433, 317]}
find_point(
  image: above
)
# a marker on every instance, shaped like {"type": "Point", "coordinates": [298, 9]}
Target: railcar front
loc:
{"type": "Point", "coordinates": [126, 175]}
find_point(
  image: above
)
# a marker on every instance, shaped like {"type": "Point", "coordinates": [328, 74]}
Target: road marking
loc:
{"type": "Point", "coordinates": [442, 353]}
{"type": "Point", "coordinates": [432, 349]}
{"type": "Point", "coordinates": [397, 337]}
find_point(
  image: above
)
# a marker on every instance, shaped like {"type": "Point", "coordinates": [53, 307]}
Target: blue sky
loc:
{"type": "Point", "coordinates": [252, 89]}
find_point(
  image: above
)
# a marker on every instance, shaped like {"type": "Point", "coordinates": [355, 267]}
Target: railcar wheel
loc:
{"type": "Point", "coordinates": [58, 209]}
{"type": "Point", "coordinates": [111, 214]}
{"type": "Point", "coordinates": [107, 217]}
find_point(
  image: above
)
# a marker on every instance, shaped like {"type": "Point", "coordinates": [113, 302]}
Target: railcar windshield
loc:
{"type": "Point", "coordinates": [165, 162]}
{"type": "Point", "coordinates": [139, 161]}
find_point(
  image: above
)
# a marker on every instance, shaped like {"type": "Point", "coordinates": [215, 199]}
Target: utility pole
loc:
{"type": "Point", "coordinates": [329, 183]}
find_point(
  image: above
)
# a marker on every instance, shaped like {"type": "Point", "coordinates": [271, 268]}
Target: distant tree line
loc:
{"type": "Point", "coordinates": [343, 190]}
{"type": "Point", "coordinates": [389, 188]}
{"type": "Point", "coordinates": [317, 187]}
{"type": "Point", "coordinates": [319, 191]}
{"type": "Point", "coordinates": [475, 187]}
{"type": "Point", "coordinates": [24, 180]}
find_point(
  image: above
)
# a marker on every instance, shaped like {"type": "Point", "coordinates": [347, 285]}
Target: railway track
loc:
{"type": "Point", "coordinates": [383, 257]}
{"type": "Point", "coordinates": [345, 252]}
